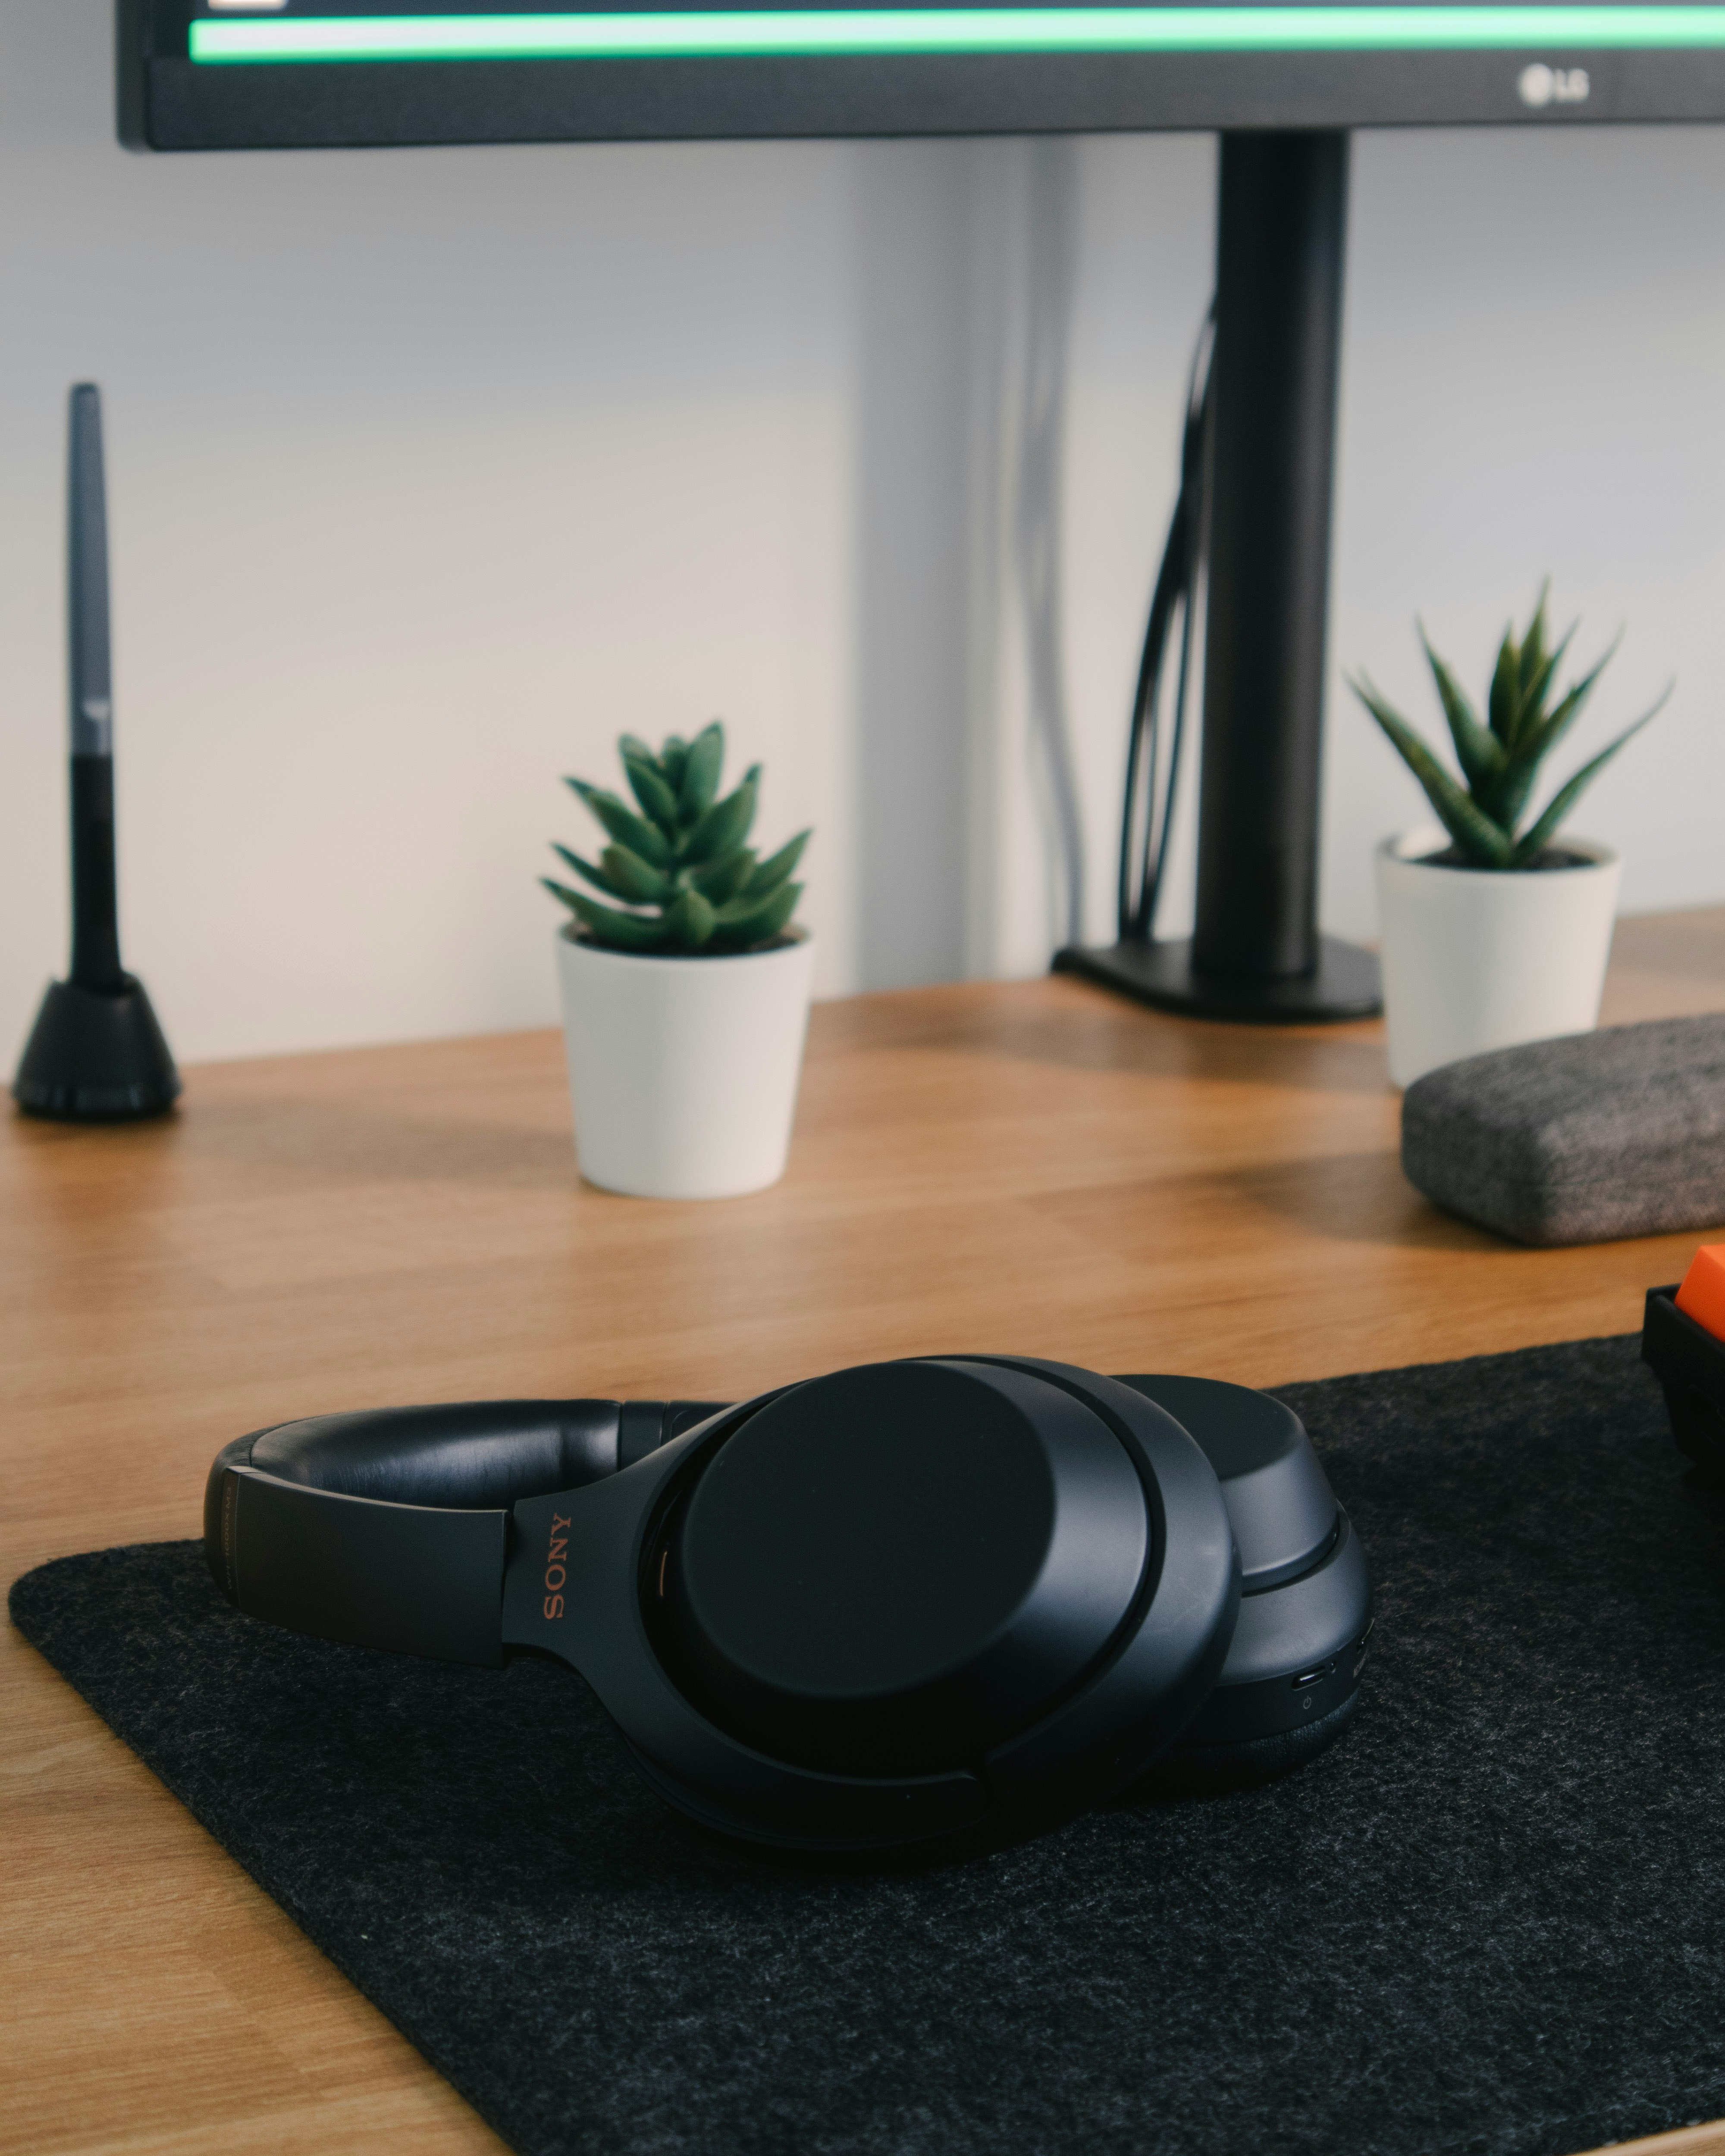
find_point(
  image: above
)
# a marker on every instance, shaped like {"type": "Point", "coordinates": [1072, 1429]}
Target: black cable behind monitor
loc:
{"type": "Point", "coordinates": [96, 1053]}
{"type": "Point", "coordinates": [1144, 829]}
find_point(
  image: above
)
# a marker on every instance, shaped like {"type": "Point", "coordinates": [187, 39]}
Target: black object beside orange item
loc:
{"type": "Point", "coordinates": [1688, 1359]}
{"type": "Point", "coordinates": [929, 1602]}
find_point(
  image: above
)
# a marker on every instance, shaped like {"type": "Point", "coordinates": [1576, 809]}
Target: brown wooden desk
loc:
{"type": "Point", "coordinates": [1031, 1167]}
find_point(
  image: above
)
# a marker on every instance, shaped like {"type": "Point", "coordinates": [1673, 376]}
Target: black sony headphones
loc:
{"type": "Point", "coordinates": [954, 1599]}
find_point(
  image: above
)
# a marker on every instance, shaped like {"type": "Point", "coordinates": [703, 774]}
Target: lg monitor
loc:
{"type": "Point", "coordinates": [299, 75]}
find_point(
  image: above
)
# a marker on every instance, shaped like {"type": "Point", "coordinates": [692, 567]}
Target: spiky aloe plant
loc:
{"type": "Point", "coordinates": [1501, 760]}
{"type": "Point", "coordinates": [681, 866]}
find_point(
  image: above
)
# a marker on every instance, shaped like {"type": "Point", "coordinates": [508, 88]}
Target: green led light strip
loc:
{"type": "Point", "coordinates": [805, 30]}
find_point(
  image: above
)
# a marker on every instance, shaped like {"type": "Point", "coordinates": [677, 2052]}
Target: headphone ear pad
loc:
{"type": "Point", "coordinates": [1214, 1770]}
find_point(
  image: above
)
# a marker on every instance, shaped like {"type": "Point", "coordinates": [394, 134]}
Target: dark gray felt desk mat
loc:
{"type": "Point", "coordinates": [1492, 1919]}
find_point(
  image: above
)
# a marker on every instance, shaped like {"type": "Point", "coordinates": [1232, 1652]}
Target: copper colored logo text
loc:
{"type": "Point", "coordinates": [555, 1574]}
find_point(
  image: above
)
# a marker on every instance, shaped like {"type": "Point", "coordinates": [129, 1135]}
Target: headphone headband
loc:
{"type": "Point", "coordinates": [389, 1528]}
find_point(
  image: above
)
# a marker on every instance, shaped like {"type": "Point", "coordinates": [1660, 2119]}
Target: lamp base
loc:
{"type": "Point", "coordinates": [1344, 985]}
{"type": "Point", "coordinates": [93, 1057]}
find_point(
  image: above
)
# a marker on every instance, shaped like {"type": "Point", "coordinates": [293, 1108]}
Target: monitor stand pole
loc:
{"type": "Point", "coordinates": [1255, 952]}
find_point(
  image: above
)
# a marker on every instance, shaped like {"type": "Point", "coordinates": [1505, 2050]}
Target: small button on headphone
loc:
{"type": "Point", "coordinates": [946, 1600]}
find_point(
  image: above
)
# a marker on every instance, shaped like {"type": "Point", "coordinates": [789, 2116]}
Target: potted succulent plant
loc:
{"type": "Point", "coordinates": [685, 984]}
{"type": "Point", "coordinates": [1494, 933]}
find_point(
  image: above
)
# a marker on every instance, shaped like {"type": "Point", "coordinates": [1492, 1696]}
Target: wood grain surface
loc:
{"type": "Point", "coordinates": [1030, 1167]}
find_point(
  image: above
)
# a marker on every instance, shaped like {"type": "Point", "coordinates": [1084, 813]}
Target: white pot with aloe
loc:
{"type": "Point", "coordinates": [1495, 929]}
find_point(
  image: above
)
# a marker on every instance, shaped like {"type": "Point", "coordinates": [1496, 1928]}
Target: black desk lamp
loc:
{"type": "Point", "coordinates": [96, 1054]}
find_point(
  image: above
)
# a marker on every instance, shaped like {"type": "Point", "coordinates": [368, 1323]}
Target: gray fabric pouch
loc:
{"type": "Point", "coordinates": [1580, 1140]}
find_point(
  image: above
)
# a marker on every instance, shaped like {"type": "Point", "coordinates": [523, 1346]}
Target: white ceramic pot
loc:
{"type": "Point", "coordinates": [683, 1071]}
{"type": "Point", "coordinates": [1480, 958]}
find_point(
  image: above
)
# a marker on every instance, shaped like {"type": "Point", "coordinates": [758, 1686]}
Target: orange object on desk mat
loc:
{"type": "Point", "coordinates": [1703, 1295]}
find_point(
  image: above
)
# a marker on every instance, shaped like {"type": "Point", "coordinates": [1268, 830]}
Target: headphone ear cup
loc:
{"type": "Point", "coordinates": [943, 1601]}
{"type": "Point", "coordinates": [894, 1570]}
{"type": "Point", "coordinates": [1288, 1688]}
{"type": "Point", "coordinates": [1216, 1770]}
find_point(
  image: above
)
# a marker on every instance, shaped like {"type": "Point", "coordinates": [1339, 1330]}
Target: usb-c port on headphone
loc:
{"type": "Point", "coordinates": [1314, 1676]}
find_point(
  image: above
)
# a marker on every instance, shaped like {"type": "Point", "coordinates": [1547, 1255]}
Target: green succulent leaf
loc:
{"type": "Point", "coordinates": [634, 879]}
{"type": "Point", "coordinates": [656, 796]}
{"type": "Point", "coordinates": [725, 825]}
{"type": "Point", "coordinates": [631, 746]}
{"type": "Point", "coordinates": [723, 878]}
{"type": "Point", "coordinates": [699, 781]}
{"type": "Point", "coordinates": [596, 876]}
{"type": "Point", "coordinates": [777, 867]}
{"type": "Point", "coordinates": [1477, 748]}
{"type": "Point", "coordinates": [622, 931]}
{"type": "Point", "coordinates": [1532, 659]}
{"type": "Point", "coordinates": [673, 754]}
{"type": "Point", "coordinates": [1503, 705]}
{"type": "Point", "coordinates": [1540, 834]}
{"type": "Point", "coordinates": [1533, 713]}
{"type": "Point", "coordinates": [690, 921]}
{"type": "Point", "coordinates": [750, 920]}
{"type": "Point", "coordinates": [625, 826]}
{"type": "Point", "coordinates": [1538, 740]}
{"type": "Point", "coordinates": [1520, 677]}
{"type": "Point", "coordinates": [1478, 838]}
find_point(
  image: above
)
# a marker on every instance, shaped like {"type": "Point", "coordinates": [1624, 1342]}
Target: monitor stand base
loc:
{"type": "Point", "coordinates": [1345, 984]}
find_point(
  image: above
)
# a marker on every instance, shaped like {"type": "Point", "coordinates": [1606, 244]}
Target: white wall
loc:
{"type": "Point", "coordinates": [431, 471]}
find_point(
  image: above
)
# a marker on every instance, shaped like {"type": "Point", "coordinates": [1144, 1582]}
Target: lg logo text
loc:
{"type": "Point", "coordinates": [1540, 85]}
